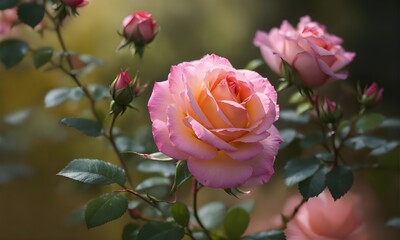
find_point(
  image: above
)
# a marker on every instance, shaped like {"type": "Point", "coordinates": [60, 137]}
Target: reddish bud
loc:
{"type": "Point", "coordinates": [371, 96]}
{"type": "Point", "coordinates": [330, 111]}
{"type": "Point", "coordinates": [140, 28]}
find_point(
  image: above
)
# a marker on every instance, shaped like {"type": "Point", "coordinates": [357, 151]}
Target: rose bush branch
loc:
{"type": "Point", "coordinates": [196, 187]}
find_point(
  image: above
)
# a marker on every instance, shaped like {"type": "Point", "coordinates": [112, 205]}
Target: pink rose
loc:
{"type": "Point", "coordinates": [7, 18]}
{"type": "Point", "coordinates": [219, 119]}
{"type": "Point", "coordinates": [314, 53]}
{"type": "Point", "coordinates": [323, 218]}
{"type": "Point", "coordinates": [139, 27]}
{"type": "Point", "coordinates": [75, 3]}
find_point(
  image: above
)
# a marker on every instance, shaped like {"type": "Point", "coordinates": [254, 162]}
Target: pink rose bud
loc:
{"type": "Point", "coordinates": [372, 96]}
{"type": "Point", "coordinates": [7, 18]}
{"type": "Point", "coordinates": [323, 218]}
{"type": "Point", "coordinates": [219, 119]}
{"type": "Point", "coordinates": [139, 29]}
{"type": "Point", "coordinates": [330, 111]}
{"type": "Point", "coordinates": [316, 55]}
{"type": "Point", "coordinates": [75, 3]}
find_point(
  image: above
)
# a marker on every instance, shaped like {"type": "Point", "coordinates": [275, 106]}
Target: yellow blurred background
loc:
{"type": "Point", "coordinates": [35, 203]}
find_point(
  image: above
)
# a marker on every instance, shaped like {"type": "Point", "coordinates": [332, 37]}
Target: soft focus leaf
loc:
{"type": "Point", "coordinates": [369, 122]}
{"type": "Point", "coordinates": [17, 118]}
{"type": "Point", "coordinates": [288, 135]}
{"type": "Point", "coordinates": [160, 231]}
{"type": "Point", "coordinates": [324, 156]}
{"type": "Point", "coordinates": [12, 51]}
{"type": "Point", "coordinates": [212, 214]}
{"type": "Point", "coordinates": [248, 205]}
{"type": "Point", "coordinates": [391, 123]}
{"type": "Point", "coordinates": [86, 126]}
{"type": "Point", "coordinates": [312, 140]}
{"type": "Point", "coordinates": [313, 185]}
{"type": "Point", "coordinates": [59, 95]}
{"type": "Point", "coordinates": [360, 142]}
{"type": "Point", "coordinates": [181, 213]}
{"type": "Point", "coordinates": [76, 217]}
{"type": "Point", "coordinates": [296, 97]}
{"type": "Point", "coordinates": [267, 235]}
{"type": "Point", "coordinates": [253, 64]}
{"type": "Point", "coordinates": [105, 208]}
{"type": "Point", "coordinates": [130, 231]}
{"type": "Point", "coordinates": [393, 222]}
{"type": "Point", "coordinates": [153, 182]}
{"type": "Point", "coordinates": [127, 145]}
{"type": "Point", "coordinates": [296, 170]}
{"type": "Point", "coordinates": [303, 107]}
{"type": "Point", "coordinates": [167, 169]}
{"type": "Point", "coordinates": [5, 4]}
{"type": "Point", "coordinates": [99, 92]}
{"type": "Point", "coordinates": [236, 222]}
{"type": "Point", "coordinates": [31, 13]}
{"type": "Point", "coordinates": [182, 174]}
{"type": "Point", "coordinates": [10, 172]}
{"type": "Point", "coordinates": [339, 181]}
{"type": "Point", "coordinates": [292, 116]}
{"type": "Point", "coordinates": [42, 56]}
{"type": "Point", "coordinates": [384, 148]}
{"type": "Point", "coordinates": [94, 171]}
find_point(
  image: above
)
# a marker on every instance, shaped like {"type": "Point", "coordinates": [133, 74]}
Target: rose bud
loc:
{"type": "Point", "coordinates": [330, 111]}
{"type": "Point", "coordinates": [309, 49]}
{"type": "Point", "coordinates": [139, 29]}
{"type": "Point", "coordinates": [75, 3]}
{"type": "Point", "coordinates": [123, 90]}
{"type": "Point", "coordinates": [371, 96]}
{"type": "Point", "coordinates": [8, 18]}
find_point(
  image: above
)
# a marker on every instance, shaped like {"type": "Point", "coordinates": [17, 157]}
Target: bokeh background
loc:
{"type": "Point", "coordinates": [36, 204]}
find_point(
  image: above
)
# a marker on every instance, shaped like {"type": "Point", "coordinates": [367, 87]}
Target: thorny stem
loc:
{"type": "Point", "coordinates": [196, 189]}
{"type": "Point", "coordinates": [109, 135]}
{"type": "Point", "coordinates": [148, 201]}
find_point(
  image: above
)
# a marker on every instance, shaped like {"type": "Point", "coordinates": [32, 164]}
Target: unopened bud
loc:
{"type": "Point", "coordinates": [330, 111]}
{"type": "Point", "coordinates": [371, 96]}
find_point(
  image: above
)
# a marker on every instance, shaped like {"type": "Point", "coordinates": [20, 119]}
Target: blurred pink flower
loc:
{"type": "Point", "coordinates": [372, 95]}
{"type": "Point", "coordinates": [76, 3]}
{"type": "Point", "coordinates": [314, 53]}
{"type": "Point", "coordinates": [322, 218]}
{"type": "Point", "coordinates": [219, 119]}
{"type": "Point", "coordinates": [7, 18]}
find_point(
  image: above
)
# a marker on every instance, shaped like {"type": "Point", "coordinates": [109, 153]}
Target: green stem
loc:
{"type": "Point", "coordinates": [195, 212]}
{"type": "Point", "coordinates": [295, 211]}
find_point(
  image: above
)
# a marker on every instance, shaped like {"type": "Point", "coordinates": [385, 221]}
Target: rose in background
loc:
{"type": "Point", "coordinates": [139, 29]}
{"type": "Point", "coordinates": [316, 55]}
{"type": "Point", "coordinates": [75, 3]}
{"type": "Point", "coordinates": [219, 119]}
{"type": "Point", "coordinates": [7, 19]}
{"type": "Point", "coordinates": [323, 218]}
{"type": "Point", "coordinates": [371, 96]}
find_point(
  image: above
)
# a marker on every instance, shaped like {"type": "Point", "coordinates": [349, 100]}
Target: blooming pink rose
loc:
{"type": "Point", "coordinates": [75, 3]}
{"type": "Point", "coordinates": [314, 53]}
{"type": "Point", "coordinates": [139, 27]}
{"type": "Point", "coordinates": [219, 119]}
{"type": "Point", "coordinates": [7, 18]}
{"type": "Point", "coordinates": [323, 218]}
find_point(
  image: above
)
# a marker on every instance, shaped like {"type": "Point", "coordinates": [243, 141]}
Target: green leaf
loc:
{"type": "Point", "coordinates": [297, 170]}
{"type": "Point", "coordinates": [181, 214]}
{"type": "Point", "coordinates": [313, 185]}
{"type": "Point", "coordinates": [182, 174]}
{"type": "Point", "coordinates": [31, 14]}
{"type": "Point", "coordinates": [312, 140]}
{"type": "Point", "coordinates": [12, 51]}
{"type": "Point", "coordinates": [248, 205]}
{"type": "Point", "coordinates": [324, 156]}
{"type": "Point", "coordinates": [167, 169]}
{"type": "Point", "coordinates": [339, 181]}
{"type": "Point", "coordinates": [212, 214]}
{"type": "Point", "coordinates": [236, 222]}
{"type": "Point", "coordinates": [99, 92]}
{"type": "Point", "coordinates": [86, 126]}
{"type": "Point", "coordinates": [160, 231]}
{"type": "Point", "coordinates": [42, 56]}
{"type": "Point", "coordinates": [303, 107]}
{"type": "Point", "coordinates": [94, 171]}
{"type": "Point", "coordinates": [152, 183]}
{"type": "Point", "coordinates": [128, 146]}
{"type": "Point", "coordinates": [75, 218]}
{"type": "Point", "coordinates": [292, 116]}
{"type": "Point", "coordinates": [369, 122]}
{"type": "Point", "coordinates": [105, 208]}
{"type": "Point", "coordinates": [18, 117]}
{"type": "Point", "coordinates": [393, 222]}
{"type": "Point", "coordinates": [6, 4]}
{"type": "Point", "coordinates": [130, 231]}
{"type": "Point", "coordinates": [360, 142]}
{"type": "Point", "coordinates": [288, 135]}
{"type": "Point", "coordinates": [57, 96]}
{"type": "Point", "coordinates": [391, 123]}
{"type": "Point", "coordinates": [267, 235]}
{"type": "Point", "coordinates": [296, 97]}
{"type": "Point", "coordinates": [253, 64]}
{"type": "Point", "coordinates": [384, 148]}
